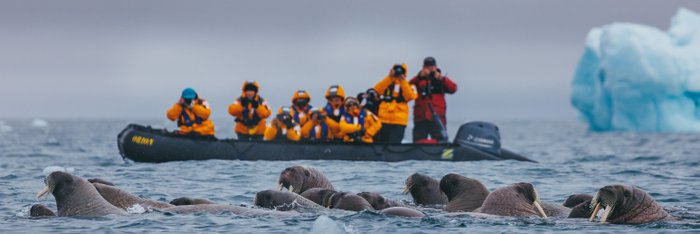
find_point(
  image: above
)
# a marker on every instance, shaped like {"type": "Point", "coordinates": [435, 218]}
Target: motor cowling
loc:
{"type": "Point", "coordinates": [481, 135]}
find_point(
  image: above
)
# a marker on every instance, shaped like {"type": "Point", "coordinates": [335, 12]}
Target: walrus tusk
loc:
{"type": "Point", "coordinates": [43, 192]}
{"type": "Point", "coordinates": [329, 205]}
{"type": "Point", "coordinates": [539, 208]}
{"type": "Point", "coordinates": [406, 189]}
{"type": "Point", "coordinates": [595, 212]}
{"type": "Point", "coordinates": [291, 188]}
{"type": "Point", "coordinates": [280, 186]}
{"type": "Point", "coordinates": [606, 213]}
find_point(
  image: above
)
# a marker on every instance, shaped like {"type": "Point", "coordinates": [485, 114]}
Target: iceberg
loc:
{"type": "Point", "coordinates": [634, 77]}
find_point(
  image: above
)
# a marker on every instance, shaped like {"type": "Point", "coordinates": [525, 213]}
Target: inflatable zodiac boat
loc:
{"type": "Point", "coordinates": [474, 141]}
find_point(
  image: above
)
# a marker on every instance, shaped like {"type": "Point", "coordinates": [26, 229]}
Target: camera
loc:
{"type": "Point", "coordinates": [398, 70]}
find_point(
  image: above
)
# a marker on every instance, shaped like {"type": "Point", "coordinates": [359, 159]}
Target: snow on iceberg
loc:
{"type": "Point", "coordinates": [638, 78]}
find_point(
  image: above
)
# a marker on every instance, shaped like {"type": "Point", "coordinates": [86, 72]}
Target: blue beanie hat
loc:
{"type": "Point", "coordinates": [189, 93]}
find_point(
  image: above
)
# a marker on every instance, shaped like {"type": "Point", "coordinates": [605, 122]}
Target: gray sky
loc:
{"type": "Point", "coordinates": [511, 59]}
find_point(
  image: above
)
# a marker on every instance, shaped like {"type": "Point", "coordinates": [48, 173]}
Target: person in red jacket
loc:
{"type": "Point", "coordinates": [431, 87]}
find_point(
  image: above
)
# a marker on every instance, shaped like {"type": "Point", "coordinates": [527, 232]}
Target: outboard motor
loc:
{"type": "Point", "coordinates": [481, 135]}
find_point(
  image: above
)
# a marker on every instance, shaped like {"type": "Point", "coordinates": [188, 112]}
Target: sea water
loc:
{"type": "Point", "coordinates": [571, 160]}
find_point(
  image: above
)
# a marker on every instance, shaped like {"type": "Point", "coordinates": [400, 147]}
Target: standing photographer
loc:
{"type": "Point", "coordinates": [395, 92]}
{"type": "Point", "coordinates": [431, 86]}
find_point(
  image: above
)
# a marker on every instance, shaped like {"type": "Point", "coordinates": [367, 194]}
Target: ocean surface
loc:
{"type": "Point", "coordinates": [571, 160]}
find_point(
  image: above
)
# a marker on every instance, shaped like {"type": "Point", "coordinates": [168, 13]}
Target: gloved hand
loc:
{"type": "Point", "coordinates": [288, 122]}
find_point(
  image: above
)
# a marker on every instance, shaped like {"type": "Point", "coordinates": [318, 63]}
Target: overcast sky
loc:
{"type": "Point", "coordinates": [510, 59]}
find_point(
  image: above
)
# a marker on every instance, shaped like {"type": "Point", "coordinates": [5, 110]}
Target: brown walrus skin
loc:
{"type": "Point", "coordinates": [402, 212]}
{"type": "Point", "coordinates": [346, 201]}
{"type": "Point", "coordinates": [283, 200]}
{"type": "Point", "coordinates": [76, 196]}
{"type": "Point", "coordinates": [627, 205]}
{"type": "Point", "coordinates": [576, 199]}
{"type": "Point", "coordinates": [183, 201]}
{"type": "Point", "coordinates": [125, 200]}
{"type": "Point", "coordinates": [378, 202]}
{"type": "Point", "coordinates": [519, 199]}
{"type": "Point", "coordinates": [555, 210]}
{"type": "Point", "coordinates": [39, 210]}
{"type": "Point", "coordinates": [424, 190]}
{"type": "Point", "coordinates": [582, 210]}
{"type": "Point", "coordinates": [464, 194]}
{"type": "Point", "coordinates": [317, 194]}
{"type": "Point", "coordinates": [302, 178]}
{"type": "Point", "coordinates": [221, 209]}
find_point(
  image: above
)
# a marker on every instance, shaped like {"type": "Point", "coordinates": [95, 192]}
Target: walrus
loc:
{"type": "Point", "coordinates": [126, 200]}
{"type": "Point", "coordinates": [100, 181]}
{"type": "Point", "coordinates": [624, 204]}
{"type": "Point", "coordinates": [40, 210]}
{"type": "Point", "coordinates": [576, 199]}
{"type": "Point", "coordinates": [463, 194]}
{"type": "Point", "coordinates": [402, 211]}
{"type": "Point", "coordinates": [283, 201]}
{"type": "Point", "coordinates": [301, 178]}
{"type": "Point", "coordinates": [76, 196]}
{"type": "Point", "coordinates": [183, 201]}
{"type": "Point", "coordinates": [378, 202]}
{"type": "Point", "coordinates": [555, 210]}
{"type": "Point", "coordinates": [317, 194]}
{"type": "Point", "coordinates": [346, 201]}
{"type": "Point", "coordinates": [424, 190]}
{"type": "Point", "coordinates": [519, 199]}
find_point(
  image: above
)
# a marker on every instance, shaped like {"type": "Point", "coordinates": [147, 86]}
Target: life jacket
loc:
{"type": "Point", "coordinates": [185, 118]}
{"type": "Point", "coordinates": [389, 94]}
{"type": "Point", "coordinates": [246, 120]}
{"type": "Point", "coordinates": [360, 120]}
{"type": "Point", "coordinates": [329, 112]}
{"type": "Point", "coordinates": [297, 111]}
{"type": "Point", "coordinates": [324, 133]}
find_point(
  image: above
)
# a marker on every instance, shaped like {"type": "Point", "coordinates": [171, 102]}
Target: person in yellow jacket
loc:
{"type": "Point", "coordinates": [250, 111]}
{"type": "Point", "coordinates": [320, 128]}
{"type": "Point", "coordinates": [395, 93]}
{"type": "Point", "coordinates": [334, 109]}
{"type": "Point", "coordinates": [301, 110]}
{"type": "Point", "coordinates": [192, 114]}
{"type": "Point", "coordinates": [358, 124]}
{"type": "Point", "coordinates": [282, 127]}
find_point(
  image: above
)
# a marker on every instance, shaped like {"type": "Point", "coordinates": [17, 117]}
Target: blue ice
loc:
{"type": "Point", "coordinates": [634, 77]}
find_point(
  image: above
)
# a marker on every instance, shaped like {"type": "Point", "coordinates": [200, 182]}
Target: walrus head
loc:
{"type": "Point", "coordinates": [377, 201]}
{"type": "Point", "coordinates": [454, 184]}
{"type": "Point", "coordinates": [424, 189]}
{"type": "Point", "coordinates": [57, 182]}
{"type": "Point", "coordinates": [625, 204]}
{"type": "Point", "coordinates": [293, 178]}
{"type": "Point", "coordinates": [519, 199]}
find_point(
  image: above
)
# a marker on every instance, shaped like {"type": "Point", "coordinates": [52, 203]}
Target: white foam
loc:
{"type": "Point", "coordinates": [49, 169]}
{"type": "Point", "coordinates": [326, 225]}
{"type": "Point", "coordinates": [136, 209]}
{"type": "Point", "coordinates": [40, 123]}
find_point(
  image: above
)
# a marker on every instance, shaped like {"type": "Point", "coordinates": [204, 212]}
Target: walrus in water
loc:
{"type": "Point", "coordinates": [576, 199]}
{"type": "Point", "coordinates": [626, 205]}
{"type": "Point", "coordinates": [346, 201]}
{"type": "Point", "coordinates": [402, 211]}
{"type": "Point", "coordinates": [283, 201]}
{"type": "Point", "coordinates": [76, 196]}
{"type": "Point", "coordinates": [518, 199]}
{"type": "Point", "coordinates": [222, 209]}
{"type": "Point", "coordinates": [424, 190]}
{"type": "Point", "coordinates": [126, 200]}
{"type": "Point", "coordinates": [378, 202]}
{"type": "Point", "coordinates": [183, 201]}
{"type": "Point", "coordinates": [317, 194]}
{"type": "Point", "coordinates": [464, 194]}
{"type": "Point", "coordinates": [580, 205]}
{"type": "Point", "coordinates": [39, 210]}
{"type": "Point", "coordinates": [301, 178]}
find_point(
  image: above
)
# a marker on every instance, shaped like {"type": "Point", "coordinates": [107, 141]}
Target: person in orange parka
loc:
{"type": "Point", "coordinates": [393, 110]}
{"type": "Point", "coordinates": [358, 124]}
{"type": "Point", "coordinates": [300, 110]}
{"type": "Point", "coordinates": [334, 109]}
{"type": "Point", "coordinates": [282, 128]}
{"type": "Point", "coordinates": [250, 111]}
{"type": "Point", "coordinates": [192, 114]}
{"type": "Point", "coordinates": [320, 128]}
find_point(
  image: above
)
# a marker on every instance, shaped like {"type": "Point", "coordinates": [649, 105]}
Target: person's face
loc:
{"type": "Point", "coordinates": [431, 68]}
{"type": "Point", "coordinates": [249, 94]}
{"type": "Point", "coordinates": [354, 109]}
{"type": "Point", "coordinates": [336, 101]}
